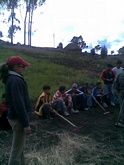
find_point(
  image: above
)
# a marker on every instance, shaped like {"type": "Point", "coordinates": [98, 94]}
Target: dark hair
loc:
{"type": "Point", "coordinates": [98, 83]}
{"type": "Point", "coordinates": [109, 65]}
{"type": "Point", "coordinates": [45, 87]}
{"type": "Point", "coordinates": [4, 72]}
{"type": "Point", "coordinates": [119, 62]}
{"type": "Point", "coordinates": [62, 88]}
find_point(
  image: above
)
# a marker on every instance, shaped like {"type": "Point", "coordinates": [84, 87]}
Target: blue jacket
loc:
{"type": "Point", "coordinates": [96, 91]}
{"type": "Point", "coordinates": [17, 98]}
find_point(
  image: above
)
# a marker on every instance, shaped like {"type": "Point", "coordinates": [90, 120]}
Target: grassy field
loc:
{"type": "Point", "coordinates": [54, 142]}
{"type": "Point", "coordinates": [44, 71]}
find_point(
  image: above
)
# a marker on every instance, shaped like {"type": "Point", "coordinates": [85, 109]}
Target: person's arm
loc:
{"type": "Point", "coordinates": [117, 84]}
{"type": "Point", "coordinates": [94, 92]}
{"type": "Point", "coordinates": [103, 75]}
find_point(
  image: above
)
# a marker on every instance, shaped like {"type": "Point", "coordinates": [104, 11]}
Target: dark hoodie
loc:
{"type": "Point", "coordinates": [17, 98]}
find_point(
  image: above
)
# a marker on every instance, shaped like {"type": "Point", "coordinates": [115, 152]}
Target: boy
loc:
{"type": "Point", "coordinates": [77, 98]}
{"type": "Point", "coordinates": [99, 94]}
{"type": "Point", "coordinates": [65, 98]}
{"type": "Point", "coordinates": [108, 78]}
{"type": "Point", "coordinates": [42, 107]}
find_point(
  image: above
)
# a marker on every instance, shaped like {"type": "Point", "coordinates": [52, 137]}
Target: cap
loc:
{"type": "Point", "coordinates": [17, 60]}
{"type": "Point", "coordinates": [74, 85]}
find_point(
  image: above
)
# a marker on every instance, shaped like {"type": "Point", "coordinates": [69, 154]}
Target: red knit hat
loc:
{"type": "Point", "coordinates": [16, 60]}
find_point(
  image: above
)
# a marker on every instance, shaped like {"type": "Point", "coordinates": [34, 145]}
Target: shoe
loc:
{"type": "Point", "coordinates": [86, 109]}
{"type": "Point", "coordinates": [74, 111]}
{"type": "Point", "coordinates": [105, 105]}
{"type": "Point", "coordinates": [66, 113]}
{"type": "Point", "coordinates": [119, 124]}
{"type": "Point", "coordinates": [113, 104]}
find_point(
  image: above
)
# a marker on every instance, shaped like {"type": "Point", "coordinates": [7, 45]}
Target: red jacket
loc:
{"type": "Point", "coordinates": [3, 107]}
{"type": "Point", "coordinates": [108, 76]}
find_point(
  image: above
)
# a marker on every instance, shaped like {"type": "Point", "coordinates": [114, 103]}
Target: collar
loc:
{"type": "Point", "coordinates": [15, 73]}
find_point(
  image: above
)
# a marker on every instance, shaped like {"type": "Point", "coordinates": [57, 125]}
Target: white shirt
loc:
{"type": "Point", "coordinates": [117, 71]}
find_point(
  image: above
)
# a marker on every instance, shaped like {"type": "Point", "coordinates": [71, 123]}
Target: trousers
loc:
{"type": "Point", "coordinates": [16, 155]}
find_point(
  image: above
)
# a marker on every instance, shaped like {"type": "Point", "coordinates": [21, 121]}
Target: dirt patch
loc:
{"type": "Point", "coordinates": [96, 125]}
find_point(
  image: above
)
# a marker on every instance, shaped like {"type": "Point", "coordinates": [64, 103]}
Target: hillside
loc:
{"type": "Point", "coordinates": [56, 142]}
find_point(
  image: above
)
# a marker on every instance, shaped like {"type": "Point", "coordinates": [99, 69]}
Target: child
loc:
{"type": "Point", "coordinates": [99, 94]}
{"type": "Point", "coordinates": [45, 105]}
{"type": "Point", "coordinates": [42, 107]}
{"type": "Point", "coordinates": [65, 98]}
{"type": "Point", "coordinates": [4, 124]}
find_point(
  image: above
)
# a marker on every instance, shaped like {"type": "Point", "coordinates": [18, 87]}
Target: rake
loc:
{"type": "Point", "coordinates": [76, 127]}
{"type": "Point", "coordinates": [105, 112]}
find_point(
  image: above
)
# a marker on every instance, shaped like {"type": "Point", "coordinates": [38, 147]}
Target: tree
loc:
{"type": "Point", "coordinates": [79, 41]}
{"type": "Point", "coordinates": [92, 51]}
{"type": "Point", "coordinates": [1, 34]}
{"type": "Point", "coordinates": [97, 48]}
{"type": "Point", "coordinates": [31, 5]}
{"type": "Point", "coordinates": [112, 52]}
{"type": "Point", "coordinates": [104, 51]}
{"type": "Point", "coordinates": [11, 5]}
{"type": "Point", "coordinates": [121, 51]}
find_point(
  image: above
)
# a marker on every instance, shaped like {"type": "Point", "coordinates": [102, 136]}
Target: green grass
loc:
{"type": "Point", "coordinates": [42, 71]}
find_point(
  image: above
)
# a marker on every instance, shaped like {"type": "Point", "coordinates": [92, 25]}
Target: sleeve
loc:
{"type": "Point", "coordinates": [94, 92]}
{"type": "Point", "coordinates": [18, 102]}
{"type": "Point", "coordinates": [113, 74]}
{"type": "Point", "coordinates": [103, 75]}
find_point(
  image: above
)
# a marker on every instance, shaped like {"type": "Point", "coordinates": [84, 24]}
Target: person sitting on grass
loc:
{"type": "Point", "coordinates": [78, 99]}
{"type": "Point", "coordinates": [99, 94]}
{"type": "Point", "coordinates": [85, 89]}
{"type": "Point", "coordinates": [4, 124]}
{"type": "Point", "coordinates": [45, 105]}
{"type": "Point", "coordinates": [66, 99]}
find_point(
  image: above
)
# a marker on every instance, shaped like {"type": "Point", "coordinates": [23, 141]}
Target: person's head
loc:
{"type": "Point", "coordinates": [109, 66]}
{"type": "Point", "coordinates": [99, 84]}
{"type": "Point", "coordinates": [86, 85]}
{"type": "Point", "coordinates": [118, 64]}
{"type": "Point", "coordinates": [17, 64]}
{"type": "Point", "coordinates": [62, 89]}
{"type": "Point", "coordinates": [46, 89]}
{"type": "Point", "coordinates": [14, 63]}
{"type": "Point", "coordinates": [74, 87]}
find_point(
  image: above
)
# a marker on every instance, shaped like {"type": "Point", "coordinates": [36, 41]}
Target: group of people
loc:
{"type": "Point", "coordinates": [16, 100]}
{"type": "Point", "coordinates": [80, 98]}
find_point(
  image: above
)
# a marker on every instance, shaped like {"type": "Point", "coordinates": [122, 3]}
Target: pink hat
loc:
{"type": "Point", "coordinates": [16, 60]}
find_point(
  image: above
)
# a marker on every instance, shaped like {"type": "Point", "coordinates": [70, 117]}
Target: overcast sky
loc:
{"type": "Point", "coordinates": [98, 21]}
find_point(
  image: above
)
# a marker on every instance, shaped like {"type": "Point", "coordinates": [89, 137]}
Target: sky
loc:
{"type": "Point", "coordinates": [98, 21]}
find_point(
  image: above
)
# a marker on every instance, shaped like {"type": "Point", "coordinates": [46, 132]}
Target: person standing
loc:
{"type": "Point", "coordinates": [117, 70]}
{"type": "Point", "coordinates": [108, 77]}
{"type": "Point", "coordinates": [120, 89]}
{"type": "Point", "coordinates": [16, 94]}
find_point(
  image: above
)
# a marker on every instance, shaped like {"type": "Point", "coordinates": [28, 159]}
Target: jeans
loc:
{"type": "Point", "coordinates": [121, 99]}
{"type": "Point", "coordinates": [108, 88]}
{"type": "Point", "coordinates": [59, 106]}
{"type": "Point", "coordinates": [16, 154]}
{"type": "Point", "coordinates": [79, 101]}
{"type": "Point", "coordinates": [89, 100]}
